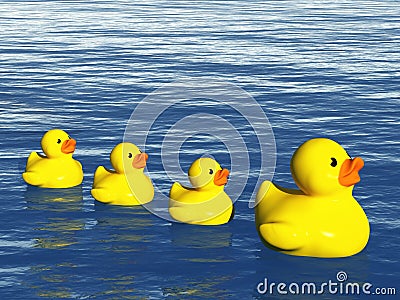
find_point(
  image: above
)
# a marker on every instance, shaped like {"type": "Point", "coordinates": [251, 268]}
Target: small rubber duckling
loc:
{"type": "Point", "coordinates": [56, 168]}
{"type": "Point", "coordinates": [206, 203]}
{"type": "Point", "coordinates": [322, 219]}
{"type": "Point", "coordinates": [127, 185]}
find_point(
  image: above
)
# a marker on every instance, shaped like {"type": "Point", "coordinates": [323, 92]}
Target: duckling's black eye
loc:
{"type": "Point", "coordinates": [130, 155]}
{"type": "Point", "coordinates": [334, 162]}
{"type": "Point", "coordinates": [58, 141]}
{"type": "Point", "coordinates": [211, 171]}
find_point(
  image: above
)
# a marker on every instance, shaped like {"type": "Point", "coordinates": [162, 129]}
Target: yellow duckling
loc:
{"type": "Point", "coordinates": [322, 219]}
{"type": "Point", "coordinates": [127, 185]}
{"type": "Point", "coordinates": [206, 203]}
{"type": "Point", "coordinates": [57, 168]}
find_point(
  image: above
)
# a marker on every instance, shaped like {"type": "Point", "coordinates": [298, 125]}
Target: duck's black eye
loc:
{"type": "Point", "coordinates": [58, 141]}
{"type": "Point", "coordinates": [211, 171]}
{"type": "Point", "coordinates": [130, 155]}
{"type": "Point", "coordinates": [334, 162]}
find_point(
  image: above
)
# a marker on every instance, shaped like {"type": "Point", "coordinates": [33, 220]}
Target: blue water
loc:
{"type": "Point", "coordinates": [317, 68]}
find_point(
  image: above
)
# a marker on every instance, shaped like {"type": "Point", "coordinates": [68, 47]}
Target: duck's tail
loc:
{"type": "Point", "coordinates": [176, 191]}
{"type": "Point", "coordinates": [100, 173]}
{"type": "Point", "coordinates": [33, 158]}
{"type": "Point", "coordinates": [262, 191]}
{"type": "Point", "coordinates": [102, 195]}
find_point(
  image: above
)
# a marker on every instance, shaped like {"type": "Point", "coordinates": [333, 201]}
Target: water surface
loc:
{"type": "Point", "coordinates": [326, 69]}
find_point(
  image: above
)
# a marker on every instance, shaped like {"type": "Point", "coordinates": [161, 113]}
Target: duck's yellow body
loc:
{"type": "Point", "coordinates": [127, 185]}
{"type": "Point", "coordinates": [206, 203]}
{"type": "Point", "coordinates": [322, 219]}
{"type": "Point", "coordinates": [56, 168]}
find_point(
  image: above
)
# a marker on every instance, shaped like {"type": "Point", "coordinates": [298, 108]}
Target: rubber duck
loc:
{"type": "Point", "coordinates": [56, 168]}
{"type": "Point", "coordinates": [321, 219]}
{"type": "Point", "coordinates": [205, 203]}
{"type": "Point", "coordinates": [126, 185]}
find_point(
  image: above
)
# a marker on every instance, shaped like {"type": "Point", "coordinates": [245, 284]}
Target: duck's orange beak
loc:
{"type": "Point", "coordinates": [221, 177]}
{"type": "Point", "coordinates": [139, 161]}
{"type": "Point", "coordinates": [348, 174]}
{"type": "Point", "coordinates": [68, 146]}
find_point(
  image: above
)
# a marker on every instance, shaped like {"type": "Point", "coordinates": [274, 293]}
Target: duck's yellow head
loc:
{"type": "Point", "coordinates": [206, 173]}
{"type": "Point", "coordinates": [57, 143]}
{"type": "Point", "coordinates": [321, 166]}
{"type": "Point", "coordinates": [127, 158]}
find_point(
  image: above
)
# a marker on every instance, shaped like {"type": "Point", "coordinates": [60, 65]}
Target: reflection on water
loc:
{"type": "Point", "coordinates": [56, 200]}
{"type": "Point", "coordinates": [59, 232]}
{"type": "Point", "coordinates": [278, 267]}
{"type": "Point", "coordinates": [55, 223]}
{"type": "Point", "coordinates": [112, 239]}
{"type": "Point", "coordinates": [123, 229]}
{"type": "Point", "coordinates": [201, 250]}
{"type": "Point", "coordinates": [55, 230]}
{"type": "Point", "coordinates": [53, 281]}
{"type": "Point", "coordinates": [208, 288]}
{"type": "Point", "coordinates": [200, 237]}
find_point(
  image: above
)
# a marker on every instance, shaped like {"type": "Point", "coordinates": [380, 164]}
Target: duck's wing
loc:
{"type": "Point", "coordinates": [283, 235]}
{"type": "Point", "coordinates": [101, 172]}
{"type": "Point", "coordinates": [179, 213]}
{"type": "Point", "coordinates": [177, 190]}
{"type": "Point", "coordinates": [33, 158]}
{"type": "Point", "coordinates": [102, 195]}
{"type": "Point", "coordinates": [33, 178]}
{"type": "Point", "coordinates": [189, 215]}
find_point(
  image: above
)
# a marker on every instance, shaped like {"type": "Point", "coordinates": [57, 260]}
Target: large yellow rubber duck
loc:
{"type": "Point", "coordinates": [322, 219]}
{"type": "Point", "coordinates": [127, 185]}
{"type": "Point", "coordinates": [206, 203]}
{"type": "Point", "coordinates": [57, 168]}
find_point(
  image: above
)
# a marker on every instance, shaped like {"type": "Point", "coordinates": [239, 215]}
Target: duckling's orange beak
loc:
{"type": "Point", "coordinates": [348, 174]}
{"type": "Point", "coordinates": [221, 177]}
{"type": "Point", "coordinates": [139, 161]}
{"type": "Point", "coordinates": [68, 146]}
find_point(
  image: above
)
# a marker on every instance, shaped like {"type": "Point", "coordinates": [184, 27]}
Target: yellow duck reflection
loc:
{"type": "Point", "coordinates": [56, 231]}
